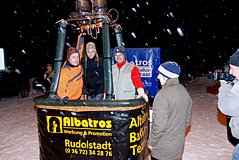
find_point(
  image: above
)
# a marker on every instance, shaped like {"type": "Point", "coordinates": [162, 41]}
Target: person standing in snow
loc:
{"type": "Point", "coordinates": [126, 77]}
{"type": "Point", "coordinates": [71, 81]}
{"type": "Point", "coordinates": [94, 74]}
{"type": "Point", "coordinates": [228, 99]}
{"type": "Point", "coordinates": [172, 113]}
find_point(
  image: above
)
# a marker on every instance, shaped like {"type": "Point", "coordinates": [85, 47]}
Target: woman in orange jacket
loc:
{"type": "Point", "coordinates": [71, 80]}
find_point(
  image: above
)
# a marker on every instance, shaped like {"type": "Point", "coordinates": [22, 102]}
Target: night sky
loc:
{"type": "Point", "coordinates": [199, 34]}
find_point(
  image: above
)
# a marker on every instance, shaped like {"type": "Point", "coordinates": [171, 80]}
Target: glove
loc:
{"type": "Point", "coordinates": [222, 82]}
{"type": "Point", "coordinates": [150, 147]}
{"type": "Point", "coordinates": [65, 99]}
{"type": "Point", "coordinates": [142, 94]}
{"type": "Point", "coordinates": [225, 84]}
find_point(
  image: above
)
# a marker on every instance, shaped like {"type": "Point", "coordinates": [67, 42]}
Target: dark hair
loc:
{"type": "Point", "coordinates": [234, 59]}
{"type": "Point", "coordinates": [49, 65]}
{"type": "Point", "coordinates": [70, 51]}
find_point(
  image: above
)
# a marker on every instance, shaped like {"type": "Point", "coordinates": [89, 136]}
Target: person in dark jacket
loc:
{"type": "Point", "coordinates": [94, 74]}
{"type": "Point", "coordinates": [172, 110]}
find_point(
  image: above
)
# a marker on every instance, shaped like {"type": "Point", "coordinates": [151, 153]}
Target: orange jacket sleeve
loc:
{"type": "Point", "coordinates": [63, 81]}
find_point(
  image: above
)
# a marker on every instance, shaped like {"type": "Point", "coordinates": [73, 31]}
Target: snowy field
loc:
{"type": "Point", "coordinates": [206, 139]}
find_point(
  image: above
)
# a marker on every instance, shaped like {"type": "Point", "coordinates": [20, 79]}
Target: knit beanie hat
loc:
{"type": "Point", "coordinates": [234, 59]}
{"type": "Point", "coordinates": [119, 49]}
{"type": "Point", "coordinates": [169, 69]}
{"type": "Point", "coordinates": [70, 51]}
{"type": "Point", "coordinates": [90, 46]}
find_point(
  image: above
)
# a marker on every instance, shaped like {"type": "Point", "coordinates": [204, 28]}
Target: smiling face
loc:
{"type": "Point", "coordinates": [91, 53]}
{"type": "Point", "coordinates": [119, 57]}
{"type": "Point", "coordinates": [234, 70]}
{"type": "Point", "coordinates": [74, 59]}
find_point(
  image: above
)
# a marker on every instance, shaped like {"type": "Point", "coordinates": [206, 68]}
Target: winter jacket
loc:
{"type": "Point", "coordinates": [126, 80]}
{"type": "Point", "coordinates": [228, 104]}
{"type": "Point", "coordinates": [94, 77]}
{"type": "Point", "coordinates": [228, 98]}
{"type": "Point", "coordinates": [70, 82]}
{"type": "Point", "coordinates": [171, 115]}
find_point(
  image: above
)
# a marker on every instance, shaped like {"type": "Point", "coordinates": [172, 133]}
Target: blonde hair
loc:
{"type": "Point", "coordinates": [91, 45]}
{"type": "Point", "coordinates": [97, 59]}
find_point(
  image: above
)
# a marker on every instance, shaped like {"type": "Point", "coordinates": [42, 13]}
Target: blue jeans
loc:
{"type": "Point", "coordinates": [235, 154]}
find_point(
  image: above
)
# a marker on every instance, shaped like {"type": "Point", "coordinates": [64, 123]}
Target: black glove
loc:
{"type": "Point", "coordinates": [65, 99]}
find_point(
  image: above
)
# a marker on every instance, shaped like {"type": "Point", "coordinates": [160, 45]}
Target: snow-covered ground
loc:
{"type": "Point", "coordinates": [206, 139]}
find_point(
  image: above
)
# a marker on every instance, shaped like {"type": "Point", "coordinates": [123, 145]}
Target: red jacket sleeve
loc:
{"type": "Point", "coordinates": [135, 76]}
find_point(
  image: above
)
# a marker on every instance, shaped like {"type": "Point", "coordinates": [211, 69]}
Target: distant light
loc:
{"type": "Point", "coordinates": [18, 71]}
{"type": "Point", "coordinates": [133, 34]}
{"type": "Point", "coordinates": [168, 30]}
{"type": "Point", "coordinates": [146, 44]}
{"type": "Point", "coordinates": [171, 14]}
{"type": "Point", "coordinates": [138, 5]}
{"type": "Point", "coordinates": [155, 38]}
{"type": "Point", "coordinates": [189, 75]}
{"type": "Point", "coordinates": [68, 44]}
{"type": "Point", "coordinates": [2, 60]}
{"type": "Point", "coordinates": [134, 9]}
{"type": "Point", "coordinates": [180, 32]}
{"type": "Point", "coordinates": [73, 113]}
{"type": "Point", "coordinates": [149, 22]}
{"type": "Point", "coordinates": [24, 52]}
{"type": "Point", "coordinates": [147, 3]}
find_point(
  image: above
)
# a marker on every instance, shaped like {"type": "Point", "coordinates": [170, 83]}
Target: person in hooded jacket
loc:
{"type": "Point", "coordinates": [94, 74]}
{"type": "Point", "coordinates": [172, 111]}
{"type": "Point", "coordinates": [228, 99]}
{"type": "Point", "coordinates": [71, 77]}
